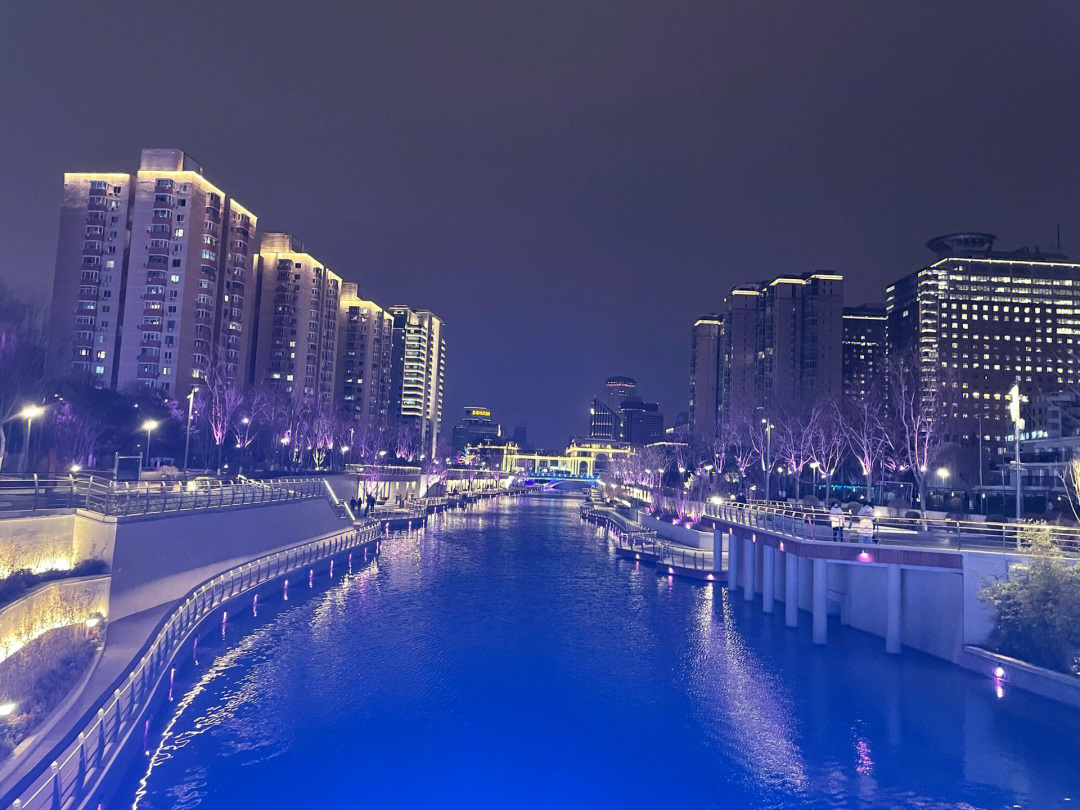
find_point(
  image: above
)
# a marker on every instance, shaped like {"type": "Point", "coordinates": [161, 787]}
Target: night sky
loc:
{"type": "Point", "coordinates": [567, 185]}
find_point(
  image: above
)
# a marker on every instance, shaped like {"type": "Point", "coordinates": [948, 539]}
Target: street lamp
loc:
{"type": "Point", "coordinates": [767, 461]}
{"type": "Point", "coordinates": [149, 425]}
{"type": "Point", "coordinates": [29, 413]}
{"type": "Point", "coordinates": [187, 433]}
{"type": "Point", "coordinates": [1015, 400]}
{"type": "Point", "coordinates": [814, 466]}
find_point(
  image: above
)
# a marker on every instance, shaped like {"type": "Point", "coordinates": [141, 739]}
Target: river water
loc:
{"type": "Point", "coordinates": [505, 658]}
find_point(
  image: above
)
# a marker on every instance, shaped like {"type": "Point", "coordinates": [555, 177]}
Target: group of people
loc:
{"type": "Point", "coordinates": [866, 527]}
{"type": "Point", "coordinates": [365, 505]}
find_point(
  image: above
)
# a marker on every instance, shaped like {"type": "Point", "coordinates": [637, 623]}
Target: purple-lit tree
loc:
{"type": "Point", "coordinates": [405, 442]}
{"type": "Point", "coordinates": [826, 441]}
{"type": "Point", "coordinates": [742, 448]}
{"type": "Point", "coordinates": [863, 423]}
{"type": "Point", "coordinates": [75, 432]}
{"type": "Point", "coordinates": [921, 415]}
{"type": "Point", "coordinates": [221, 398]}
{"type": "Point", "coordinates": [791, 444]}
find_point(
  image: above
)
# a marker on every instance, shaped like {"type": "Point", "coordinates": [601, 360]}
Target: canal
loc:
{"type": "Point", "coordinates": [505, 658]}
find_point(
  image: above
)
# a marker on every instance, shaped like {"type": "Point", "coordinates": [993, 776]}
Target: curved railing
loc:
{"type": "Point", "coordinates": [148, 497]}
{"type": "Point", "coordinates": [75, 764]}
{"type": "Point", "coordinates": [818, 524]}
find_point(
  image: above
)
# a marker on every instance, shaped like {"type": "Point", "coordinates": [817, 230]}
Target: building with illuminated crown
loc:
{"type": "Point", "coordinates": [864, 350]}
{"type": "Point", "coordinates": [365, 356]}
{"type": "Point", "coordinates": [979, 320]}
{"type": "Point", "coordinates": [416, 383]}
{"type": "Point", "coordinates": [706, 343]}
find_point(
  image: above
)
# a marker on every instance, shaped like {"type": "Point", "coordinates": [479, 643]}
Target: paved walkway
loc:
{"type": "Point", "coordinates": [124, 639]}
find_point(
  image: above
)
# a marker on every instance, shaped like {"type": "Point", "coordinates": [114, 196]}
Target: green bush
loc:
{"type": "Point", "coordinates": [1038, 607]}
{"type": "Point", "coordinates": [40, 675]}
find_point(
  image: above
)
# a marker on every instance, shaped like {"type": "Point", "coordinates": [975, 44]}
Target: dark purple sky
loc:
{"type": "Point", "coordinates": [568, 185]}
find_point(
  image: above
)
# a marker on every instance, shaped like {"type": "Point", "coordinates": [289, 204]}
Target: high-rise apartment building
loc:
{"type": "Point", "coordinates": [782, 344]}
{"type": "Point", "coordinates": [416, 385]}
{"type": "Point", "coordinates": [91, 274]}
{"type": "Point", "coordinates": [365, 343]}
{"type": "Point", "coordinates": [978, 320]}
{"type": "Point", "coordinates": [189, 301]}
{"type": "Point", "coordinates": [297, 344]}
{"type": "Point", "coordinates": [706, 339]}
{"type": "Point", "coordinates": [863, 350]}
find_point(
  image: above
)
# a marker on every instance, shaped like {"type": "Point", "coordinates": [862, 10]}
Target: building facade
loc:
{"type": "Point", "coordinates": [782, 344]}
{"type": "Point", "coordinates": [977, 321]}
{"type": "Point", "coordinates": [706, 350]}
{"type": "Point", "coordinates": [416, 386]}
{"type": "Point", "coordinates": [476, 427]}
{"type": "Point", "coordinates": [365, 342]}
{"type": "Point", "coordinates": [189, 302]}
{"type": "Point", "coordinates": [864, 350]}
{"type": "Point", "coordinates": [296, 350]}
{"type": "Point", "coordinates": [91, 274]}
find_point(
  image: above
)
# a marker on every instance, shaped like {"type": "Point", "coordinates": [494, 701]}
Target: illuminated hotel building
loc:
{"type": "Point", "coordinates": [297, 345]}
{"type": "Point", "coordinates": [863, 350]}
{"type": "Point", "coordinates": [980, 320]}
{"type": "Point", "coordinates": [706, 339]}
{"type": "Point", "coordinates": [416, 386]}
{"type": "Point", "coordinates": [782, 342]}
{"type": "Point", "coordinates": [365, 337]}
{"type": "Point", "coordinates": [91, 274]}
{"type": "Point", "coordinates": [189, 299]}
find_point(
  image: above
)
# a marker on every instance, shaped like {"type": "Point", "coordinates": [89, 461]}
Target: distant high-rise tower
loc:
{"type": "Point", "coordinates": [787, 334]}
{"type": "Point", "coordinates": [864, 349]}
{"type": "Point", "coordinates": [416, 382]}
{"type": "Point", "coordinates": [705, 352]}
{"type": "Point", "coordinates": [91, 274]}
{"type": "Point", "coordinates": [297, 346]}
{"type": "Point", "coordinates": [619, 389]}
{"type": "Point", "coordinates": [365, 338]}
{"type": "Point", "coordinates": [190, 298]}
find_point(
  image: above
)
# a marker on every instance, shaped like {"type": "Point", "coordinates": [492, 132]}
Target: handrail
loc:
{"type": "Point", "coordinates": [147, 497]}
{"type": "Point", "coordinates": [67, 771]}
{"type": "Point", "coordinates": [812, 523]}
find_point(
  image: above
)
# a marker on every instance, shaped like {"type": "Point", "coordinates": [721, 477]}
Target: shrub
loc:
{"type": "Point", "coordinates": [1038, 606]}
{"type": "Point", "coordinates": [14, 586]}
{"type": "Point", "coordinates": [40, 675]}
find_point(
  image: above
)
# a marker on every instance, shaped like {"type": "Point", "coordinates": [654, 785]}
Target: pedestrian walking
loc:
{"type": "Point", "coordinates": [836, 518]}
{"type": "Point", "coordinates": [866, 524]}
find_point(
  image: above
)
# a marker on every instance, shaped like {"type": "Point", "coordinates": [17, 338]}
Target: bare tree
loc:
{"type": "Point", "coordinates": [221, 398]}
{"type": "Point", "coordinates": [23, 361]}
{"type": "Point", "coordinates": [863, 422]}
{"type": "Point", "coordinates": [826, 440]}
{"type": "Point", "coordinates": [742, 448]}
{"type": "Point", "coordinates": [921, 417]}
{"type": "Point", "coordinates": [792, 444]}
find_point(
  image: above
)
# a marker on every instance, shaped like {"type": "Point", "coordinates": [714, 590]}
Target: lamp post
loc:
{"type": "Point", "coordinates": [1015, 400]}
{"type": "Point", "coordinates": [814, 466]}
{"type": "Point", "coordinates": [28, 413]}
{"type": "Point", "coordinates": [767, 461]}
{"type": "Point", "coordinates": [187, 432]}
{"type": "Point", "coordinates": [149, 425]}
{"type": "Point", "coordinates": [943, 474]}
{"type": "Point", "coordinates": [284, 444]}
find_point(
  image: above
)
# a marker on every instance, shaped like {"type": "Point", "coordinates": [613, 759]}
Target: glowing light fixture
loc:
{"type": "Point", "coordinates": [7, 709]}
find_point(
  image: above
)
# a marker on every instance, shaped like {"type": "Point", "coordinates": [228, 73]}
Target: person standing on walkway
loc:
{"type": "Point", "coordinates": [866, 524]}
{"type": "Point", "coordinates": [836, 518]}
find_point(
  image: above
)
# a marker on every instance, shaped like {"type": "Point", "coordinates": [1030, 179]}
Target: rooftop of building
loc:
{"type": "Point", "coordinates": [978, 245]}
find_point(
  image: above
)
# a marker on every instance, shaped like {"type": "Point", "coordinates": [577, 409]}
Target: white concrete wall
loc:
{"type": "Point", "coordinates": [41, 542]}
{"type": "Point", "coordinates": [158, 558]}
{"type": "Point", "coordinates": [676, 534]}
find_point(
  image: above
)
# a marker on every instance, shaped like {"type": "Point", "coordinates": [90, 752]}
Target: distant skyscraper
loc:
{"type": "Point", "coordinates": [706, 339]}
{"type": "Point", "coordinates": [365, 352]}
{"type": "Point", "coordinates": [475, 427]}
{"type": "Point", "coordinates": [864, 349]}
{"type": "Point", "coordinates": [640, 423]}
{"type": "Point", "coordinates": [190, 297]}
{"type": "Point", "coordinates": [297, 349]}
{"type": "Point", "coordinates": [416, 387]}
{"type": "Point", "coordinates": [601, 422]}
{"type": "Point", "coordinates": [91, 274]}
{"type": "Point", "coordinates": [619, 388]}
{"type": "Point", "coordinates": [789, 330]}
{"type": "Point", "coordinates": [979, 320]}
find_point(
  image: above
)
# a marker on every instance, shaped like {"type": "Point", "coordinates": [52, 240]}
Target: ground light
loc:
{"type": "Point", "coordinates": [7, 709]}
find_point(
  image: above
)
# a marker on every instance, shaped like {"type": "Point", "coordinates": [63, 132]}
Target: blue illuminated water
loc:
{"type": "Point", "coordinates": [505, 658]}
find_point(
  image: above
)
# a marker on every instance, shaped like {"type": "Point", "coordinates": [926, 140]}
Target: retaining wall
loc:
{"type": "Point", "coordinates": [50, 605]}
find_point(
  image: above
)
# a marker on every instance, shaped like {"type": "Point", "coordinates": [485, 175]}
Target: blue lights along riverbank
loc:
{"type": "Point", "coordinates": [505, 658]}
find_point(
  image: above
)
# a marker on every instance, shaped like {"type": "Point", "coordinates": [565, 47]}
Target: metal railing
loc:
{"type": "Point", "coordinates": [70, 770]}
{"type": "Point", "coordinates": [33, 492]}
{"type": "Point", "coordinates": [148, 497]}
{"type": "Point", "coordinates": [633, 536]}
{"type": "Point", "coordinates": [389, 512]}
{"type": "Point", "coordinates": [818, 524]}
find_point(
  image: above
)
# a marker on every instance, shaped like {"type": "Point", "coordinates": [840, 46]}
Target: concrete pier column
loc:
{"type": "Point", "coordinates": [892, 608]}
{"type": "Point", "coordinates": [733, 563]}
{"type": "Point", "coordinates": [820, 619]}
{"type": "Point", "coordinates": [717, 551]}
{"type": "Point", "coordinates": [768, 578]}
{"type": "Point", "coordinates": [749, 551]}
{"type": "Point", "coordinates": [791, 589]}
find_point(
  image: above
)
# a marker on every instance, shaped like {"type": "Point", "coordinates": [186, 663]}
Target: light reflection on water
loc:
{"type": "Point", "coordinates": [504, 657]}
